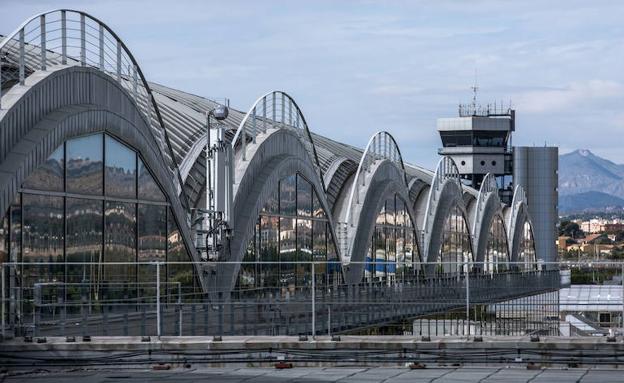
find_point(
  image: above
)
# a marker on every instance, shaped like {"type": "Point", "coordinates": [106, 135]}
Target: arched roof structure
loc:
{"type": "Point", "coordinates": [65, 73]}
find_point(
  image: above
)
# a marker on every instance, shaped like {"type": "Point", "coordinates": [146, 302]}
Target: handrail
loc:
{"type": "Point", "coordinates": [275, 103]}
{"type": "Point", "coordinates": [104, 61]}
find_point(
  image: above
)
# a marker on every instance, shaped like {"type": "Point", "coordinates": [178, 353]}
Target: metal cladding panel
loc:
{"type": "Point", "coordinates": [536, 169]}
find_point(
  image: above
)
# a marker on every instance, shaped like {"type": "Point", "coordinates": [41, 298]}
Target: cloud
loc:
{"type": "Point", "coordinates": [573, 95]}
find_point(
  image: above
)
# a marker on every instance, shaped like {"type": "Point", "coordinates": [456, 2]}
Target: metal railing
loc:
{"type": "Point", "coordinates": [272, 298]}
{"type": "Point", "coordinates": [66, 37]}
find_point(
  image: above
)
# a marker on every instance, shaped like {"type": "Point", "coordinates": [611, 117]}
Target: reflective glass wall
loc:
{"type": "Point", "coordinates": [526, 250]}
{"type": "Point", "coordinates": [292, 229]}
{"type": "Point", "coordinates": [91, 204]}
{"type": "Point", "coordinates": [456, 249]}
{"type": "Point", "coordinates": [496, 253]}
{"type": "Point", "coordinates": [393, 251]}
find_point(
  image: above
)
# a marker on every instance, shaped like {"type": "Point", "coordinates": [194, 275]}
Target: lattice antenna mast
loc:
{"type": "Point", "coordinates": [475, 89]}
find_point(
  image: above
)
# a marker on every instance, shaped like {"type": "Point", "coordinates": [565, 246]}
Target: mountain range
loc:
{"type": "Point", "coordinates": [588, 182]}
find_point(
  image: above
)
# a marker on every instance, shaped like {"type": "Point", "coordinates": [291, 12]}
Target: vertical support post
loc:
{"type": "Point", "coordinates": [158, 318]}
{"type": "Point", "coordinates": [264, 117]}
{"type": "Point", "coordinates": [243, 143]}
{"type": "Point", "coordinates": [37, 313]}
{"type": "Point", "coordinates": [22, 74]}
{"type": "Point", "coordinates": [42, 26]}
{"type": "Point", "coordinates": [4, 296]}
{"type": "Point", "coordinates": [1, 93]}
{"type": "Point", "coordinates": [83, 43]}
{"type": "Point", "coordinates": [622, 294]}
{"type": "Point", "coordinates": [135, 82]}
{"type": "Point", "coordinates": [313, 302]}
{"type": "Point", "coordinates": [253, 124]}
{"type": "Point", "coordinates": [63, 37]}
{"type": "Point", "coordinates": [468, 300]}
{"type": "Point", "coordinates": [118, 61]}
{"type": "Point", "coordinates": [101, 47]}
{"type": "Point", "coordinates": [274, 106]}
{"type": "Point", "coordinates": [283, 108]}
{"type": "Point", "coordinates": [290, 122]}
{"type": "Point", "coordinates": [179, 309]}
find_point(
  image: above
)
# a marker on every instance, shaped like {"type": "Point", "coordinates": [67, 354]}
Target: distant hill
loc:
{"type": "Point", "coordinates": [589, 202]}
{"type": "Point", "coordinates": [588, 182]}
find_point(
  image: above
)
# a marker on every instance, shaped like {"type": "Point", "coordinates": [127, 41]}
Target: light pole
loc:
{"type": "Point", "coordinates": [217, 159]}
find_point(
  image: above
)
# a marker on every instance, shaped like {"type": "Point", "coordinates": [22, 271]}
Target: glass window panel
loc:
{"type": "Point", "coordinates": [400, 250]}
{"type": "Point", "coordinates": [304, 252]}
{"type": "Point", "coordinates": [4, 238]}
{"type": "Point", "coordinates": [409, 249]}
{"type": "Point", "coordinates": [16, 229]}
{"type": "Point", "coordinates": [49, 175]}
{"type": "Point", "coordinates": [304, 197]}
{"type": "Point", "coordinates": [269, 247]}
{"type": "Point", "coordinates": [400, 212]}
{"type": "Point", "coordinates": [120, 169]}
{"type": "Point", "coordinates": [390, 210]}
{"type": "Point", "coordinates": [180, 272]}
{"type": "Point", "coordinates": [380, 252]}
{"type": "Point", "coordinates": [288, 249]}
{"type": "Point", "coordinates": [247, 274]}
{"type": "Point", "coordinates": [84, 239]}
{"type": "Point", "coordinates": [319, 253]}
{"type": "Point", "coordinates": [390, 252]}
{"type": "Point", "coordinates": [317, 208]}
{"type": "Point", "coordinates": [152, 241]}
{"type": "Point", "coordinates": [287, 196]}
{"type": "Point", "coordinates": [334, 269]}
{"type": "Point", "coordinates": [120, 242]}
{"type": "Point", "coordinates": [381, 217]}
{"type": "Point", "coordinates": [148, 188]}
{"type": "Point", "coordinates": [84, 165]}
{"type": "Point", "coordinates": [42, 239]}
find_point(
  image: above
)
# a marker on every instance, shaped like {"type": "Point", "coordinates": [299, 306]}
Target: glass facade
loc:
{"type": "Point", "coordinates": [94, 202]}
{"type": "Point", "coordinates": [456, 249]}
{"type": "Point", "coordinates": [291, 231]}
{"type": "Point", "coordinates": [496, 253]}
{"type": "Point", "coordinates": [526, 249]}
{"type": "Point", "coordinates": [393, 251]}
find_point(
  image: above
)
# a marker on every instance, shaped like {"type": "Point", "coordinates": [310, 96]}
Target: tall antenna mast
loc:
{"type": "Point", "coordinates": [474, 88]}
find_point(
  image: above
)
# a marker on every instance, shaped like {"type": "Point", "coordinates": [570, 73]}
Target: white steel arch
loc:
{"type": "Point", "coordinates": [488, 207]}
{"type": "Point", "coordinates": [85, 40]}
{"type": "Point", "coordinates": [381, 146]}
{"type": "Point", "coordinates": [488, 186]}
{"type": "Point", "coordinates": [445, 180]}
{"type": "Point", "coordinates": [276, 109]}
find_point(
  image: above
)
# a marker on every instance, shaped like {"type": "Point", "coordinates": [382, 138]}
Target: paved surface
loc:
{"type": "Point", "coordinates": [334, 374]}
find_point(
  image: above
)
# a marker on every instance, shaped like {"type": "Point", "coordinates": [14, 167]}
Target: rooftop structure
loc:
{"type": "Point", "coordinates": [99, 166]}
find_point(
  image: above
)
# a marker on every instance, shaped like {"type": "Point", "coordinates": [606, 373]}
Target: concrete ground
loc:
{"type": "Point", "coordinates": [329, 374]}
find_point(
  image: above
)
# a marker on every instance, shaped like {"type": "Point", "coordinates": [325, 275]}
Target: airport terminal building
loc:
{"type": "Point", "coordinates": [100, 166]}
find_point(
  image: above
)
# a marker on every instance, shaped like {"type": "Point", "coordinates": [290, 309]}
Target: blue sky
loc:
{"type": "Point", "coordinates": [356, 67]}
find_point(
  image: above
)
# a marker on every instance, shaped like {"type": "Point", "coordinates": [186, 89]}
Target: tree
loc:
{"type": "Point", "coordinates": [570, 229]}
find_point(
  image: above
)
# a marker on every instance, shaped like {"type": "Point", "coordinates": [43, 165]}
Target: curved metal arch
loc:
{"type": "Point", "coordinates": [488, 185]}
{"type": "Point", "coordinates": [446, 174]}
{"type": "Point", "coordinates": [357, 238]}
{"type": "Point", "coordinates": [519, 208]}
{"type": "Point", "coordinates": [276, 119]}
{"type": "Point", "coordinates": [381, 146]}
{"type": "Point", "coordinates": [257, 182]}
{"type": "Point", "coordinates": [141, 91]}
{"type": "Point", "coordinates": [445, 170]}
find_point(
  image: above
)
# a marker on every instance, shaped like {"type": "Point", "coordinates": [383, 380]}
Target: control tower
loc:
{"type": "Point", "coordinates": [479, 141]}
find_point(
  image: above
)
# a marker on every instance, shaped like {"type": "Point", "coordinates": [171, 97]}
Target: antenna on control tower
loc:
{"type": "Point", "coordinates": [475, 89]}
